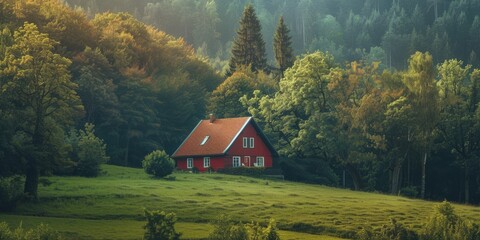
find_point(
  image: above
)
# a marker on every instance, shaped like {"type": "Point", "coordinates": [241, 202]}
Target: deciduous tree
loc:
{"type": "Point", "coordinates": [423, 94]}
{"type": "Point", "coordinates": [40, 81]}
{"type": "Point", "coordinates": [459, 125]}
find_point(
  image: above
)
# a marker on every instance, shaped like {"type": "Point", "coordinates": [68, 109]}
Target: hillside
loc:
{"type": "Point", "coordinates": [110, 206]}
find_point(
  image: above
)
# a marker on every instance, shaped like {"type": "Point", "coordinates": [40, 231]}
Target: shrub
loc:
{"type": "Point", "coordinates": [226, 229]}
{"type": "Point", "coordinates": [245, 171]}
{"type": "Point", "coordinates": [158, 163]}
{"type": "Point", "coordinates": [10, 192]}
{"type": "Point", "coordinates": [444, 224]}
{"type": "Point", "coordinates": [160, 226]}
{"type": "Point", "coordinates": [397, 231]}
{"type": "Point", "coordinates": [392, 231]}
{"type": "Point", "coordinates": [91, 152]}
{"type": "Point", "coordinates": [410, 191]}
{"type": "Point", "coordinates": [42, 232]}
{"type": "Point", "coordinates": [88, 151]}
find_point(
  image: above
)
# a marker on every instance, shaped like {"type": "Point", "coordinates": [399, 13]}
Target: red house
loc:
{"type": "Point", "coordinates": [225, 143]}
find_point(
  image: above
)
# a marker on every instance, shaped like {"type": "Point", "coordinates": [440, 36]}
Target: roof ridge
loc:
{"type": "Point", "coordinates": [237, 134]}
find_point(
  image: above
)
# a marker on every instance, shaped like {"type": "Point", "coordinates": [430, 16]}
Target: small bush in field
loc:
{"type": "Point", "coordinates": [42, 232]}
{"type": "Point", "coordinates": [10, 192]}
{"type": "Point", "coordinates": [158, 163]}
{"type": "Point", "coordinates": [394, 231]}
{"type": "Point", "coordinates": [444, 224]}
{"type": "Point", "coordinates": [88, 151]}
{"type": "Point", "coordinates": [226, 229]}
{"type": "Point", "coordinates": [410, 191]}
{"type": "Point", "coordinates": [160, 226]}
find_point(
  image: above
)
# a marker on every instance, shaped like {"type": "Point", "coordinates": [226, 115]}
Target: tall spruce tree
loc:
{"type": "Point", "coordinates": [282, 47]}
{"type": "Point", "coordinates": [248, 47]}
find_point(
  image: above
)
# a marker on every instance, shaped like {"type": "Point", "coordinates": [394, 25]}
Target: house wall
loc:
{"type": "Point", "coordinates": [215, 163]}
{"type": "Point", "coordinates": [260, 149]}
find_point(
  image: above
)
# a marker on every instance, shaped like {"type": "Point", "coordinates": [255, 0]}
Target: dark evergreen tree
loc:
{"type": "Point", "coordinates": [248, 47]}
{"type": "Point", "coordinates": [282, 47]}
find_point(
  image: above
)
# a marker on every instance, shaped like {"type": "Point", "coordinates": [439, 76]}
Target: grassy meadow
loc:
{"type": "Point", "coordinates": [111, 206]}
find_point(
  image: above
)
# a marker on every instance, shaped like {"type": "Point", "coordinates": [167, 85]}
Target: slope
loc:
{"type": "Point", "coordinates": [110, 206]}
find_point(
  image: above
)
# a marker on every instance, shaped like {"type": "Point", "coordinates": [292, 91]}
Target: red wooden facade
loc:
{"type": "Point", "coordinates": [225, 143]}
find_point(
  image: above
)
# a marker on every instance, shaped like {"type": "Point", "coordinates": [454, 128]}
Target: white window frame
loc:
{"type": "Point", "coordinates": [239, 161]}
{"type": "Point", "coordinates": [252, 142]}
{"type": "Point", "coordinates": [260, 159]}
{"type": "Point", "coordinates": [189, 162]}
{"type": "Point", "coordinates": [245, 142]}
{"type": "Point", "coordinates": [206, 162]}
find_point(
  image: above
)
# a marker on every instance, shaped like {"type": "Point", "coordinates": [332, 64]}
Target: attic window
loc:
{"type": "Point", "coordinates": [205, 140]}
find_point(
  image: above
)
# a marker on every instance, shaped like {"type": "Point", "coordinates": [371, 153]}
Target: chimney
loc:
{"type": "Point", "coordinates": [212, 118]}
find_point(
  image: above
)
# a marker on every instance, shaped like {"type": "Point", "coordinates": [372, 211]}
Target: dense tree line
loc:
{"type": "Point", "coordinates": [330, 115]}
{"type": "Point", "coordinates": [141, 88]}
{"type": "Point", "coordinates": [395, 131]}
{"type": "Point", "coordinates": [392, 131]}
{"type": "Point", "coordinates": [389, 31]}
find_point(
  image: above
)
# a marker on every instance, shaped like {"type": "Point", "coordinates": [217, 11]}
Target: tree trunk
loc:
{"type": "Point", "coordinates": [31, 178]}
{"type": "Point", "coordinates": [32, 172]}
{"type": "Point", "coordinates": [127, 148]}
{"type": "Point", "coordinates": [467, 184]}
{"type": "Point", "coordinates": [408, 171]}
{"type": "Point", "coordinates": [424, 166]}
{"type": "Point", "coordinates": [303, 32]}
{"type": "Point", "coordinates": [396, 176]}
{"type": "Point", "coordinates": [357, 180]}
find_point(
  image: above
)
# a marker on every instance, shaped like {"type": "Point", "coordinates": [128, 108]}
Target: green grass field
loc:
{"type": "Point", "coordinates": [111, 206]}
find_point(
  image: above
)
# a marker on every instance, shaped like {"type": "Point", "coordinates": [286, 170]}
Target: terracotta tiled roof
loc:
{"type": "Point", "coordinates": [222, 133]}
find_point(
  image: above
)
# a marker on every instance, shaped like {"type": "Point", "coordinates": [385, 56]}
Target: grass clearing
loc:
{"type": "Point", "coordinates": [111, 206]}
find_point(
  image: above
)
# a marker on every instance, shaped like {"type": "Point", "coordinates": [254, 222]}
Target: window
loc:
{"type": "Point", "coordinates": [245, 142]}
{"type": "Point", "coordinates": [252, 141]}
{"type": "Point", "coordinates": [205, 140]}
{"type": "Point", "coordinates": [236, 161]}
{"type": "Point", "coordinates": [260, 162]}
{"type": "Point", "coordinates": [206, 162]}
{"type": "Point", "coordinates": [189, 162]}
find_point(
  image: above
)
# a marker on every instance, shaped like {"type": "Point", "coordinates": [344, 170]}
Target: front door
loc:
{"type": "Point", "coordinates": [246, 161]}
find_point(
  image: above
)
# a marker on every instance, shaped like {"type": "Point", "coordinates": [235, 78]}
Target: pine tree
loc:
{"type": "Point", "coordinates": [248, 47]}
{"type": "Point", "coordinates": [282, 47]}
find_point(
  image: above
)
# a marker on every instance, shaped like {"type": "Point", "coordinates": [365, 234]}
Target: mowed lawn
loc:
{"type": "Point", "coordinates": [111, 206]}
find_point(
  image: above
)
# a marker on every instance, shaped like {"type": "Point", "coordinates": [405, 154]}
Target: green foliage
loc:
{"type": "Point", "coordinates": [282, 47]}
{"type": "Point", "coordinates": [458, 103]}
{"type": "Point", "coordinates": [41, 232]}
{"type": "Point", "coordinates": [309, 170]}
{"type": "Point", "coordinates": [40, 80]}
{"type": "Point", "coordinates": [10, 192]}
{"type": "Point", "coordinates": [226, 229]}
{"type": "Point", "coordinates": [393, 231]}
{"type": "Point", "coordinates": [420, 81]}
{"type": "Point", "coordinates": [160, 226]}
{"type": "Point", "coordinates": [245, 171]}
{"type": "Point", "coordinates": [410, 191]}
{"type": "Point", "coordinates": [158, 163]}
{"type": "Point", "coordinates": [88, 151]}
{"type": "Point", "coordinates": [446, 224]}
{"type": "Point", "coordinates": [248, 48]}
{"type": "Point", "coordinates": [225, 100]}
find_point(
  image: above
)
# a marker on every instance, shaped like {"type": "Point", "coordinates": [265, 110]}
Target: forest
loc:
{"type": "Point", "coordinates": [369, 95]}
